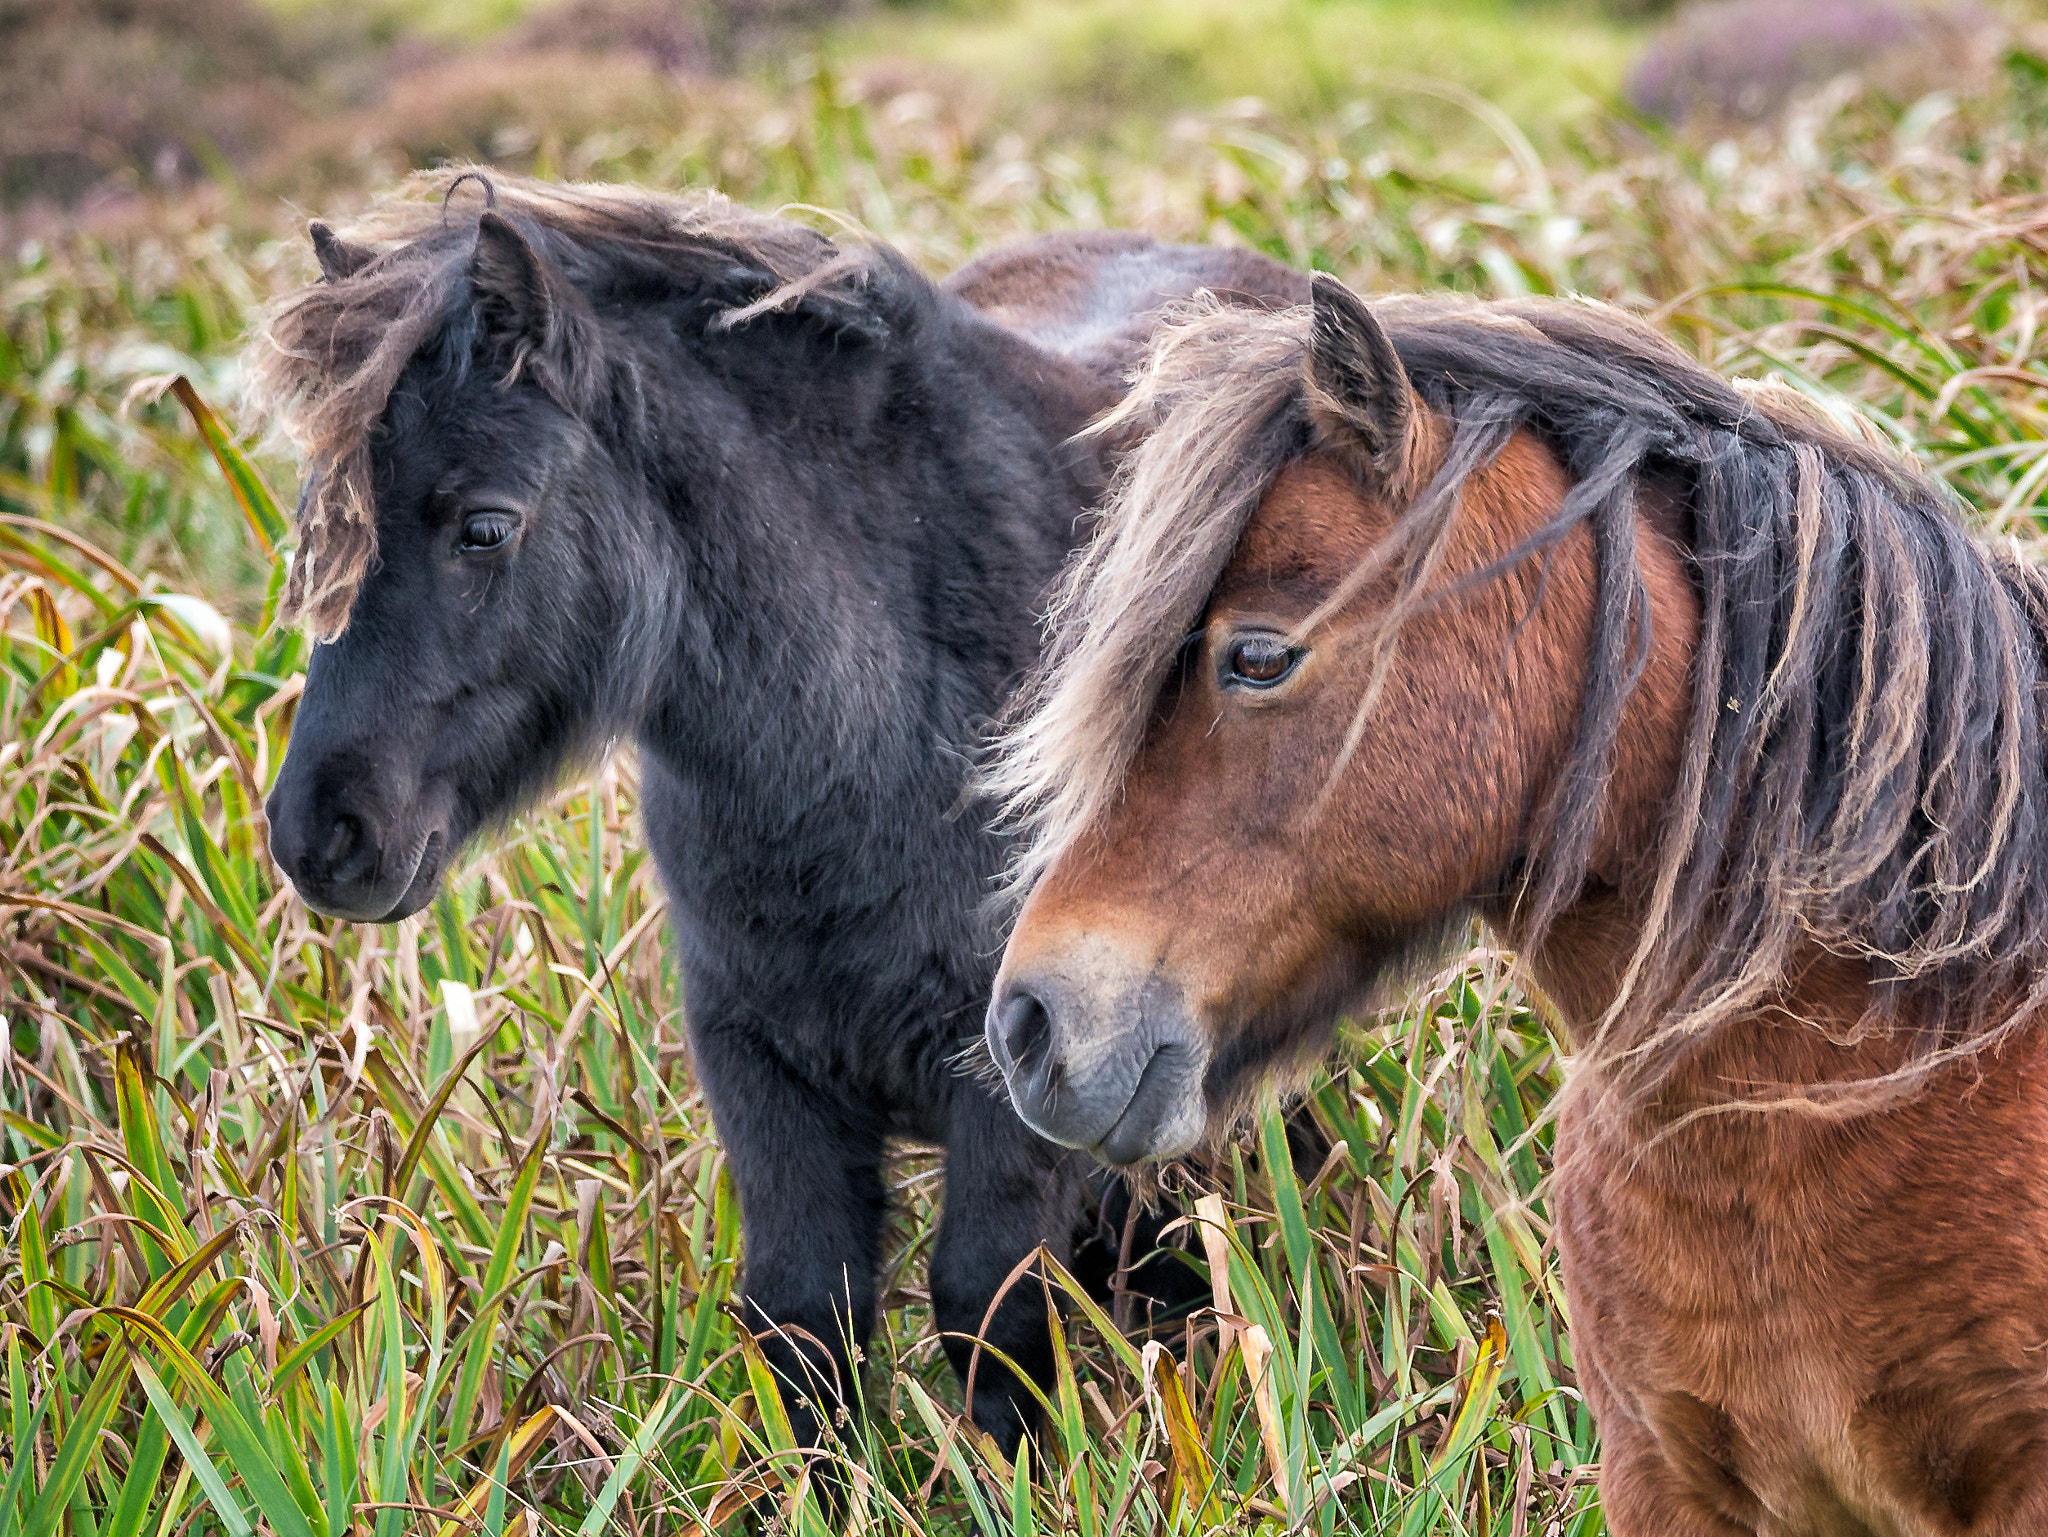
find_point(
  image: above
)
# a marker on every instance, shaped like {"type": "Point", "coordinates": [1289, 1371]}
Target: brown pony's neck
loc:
{"type": "Point", "coordinates": [1816, 1052]}
{"type": "Point", "coordinates": [1583, 960]}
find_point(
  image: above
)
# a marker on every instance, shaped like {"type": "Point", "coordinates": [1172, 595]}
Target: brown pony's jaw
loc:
{"type": "Point", "coordinates": [1101, 1051]}
{"type": "Point", "coordinates": [1143, 1039]}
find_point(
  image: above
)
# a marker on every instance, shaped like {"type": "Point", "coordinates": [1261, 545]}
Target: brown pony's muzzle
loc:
{"type": "Point", "coordinates": [1100, 1055]}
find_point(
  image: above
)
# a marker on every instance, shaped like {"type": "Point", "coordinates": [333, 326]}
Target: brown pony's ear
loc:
{"type": "Point", "coordinates": [529, 311]}
{"type": "Point", "coordinates": [1358, 390]}
{"type": "Point", "coordinates": [338, 259]}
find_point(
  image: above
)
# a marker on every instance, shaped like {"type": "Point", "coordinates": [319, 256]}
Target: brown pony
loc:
{"type": "Point", "coordinates": [1428, 610]}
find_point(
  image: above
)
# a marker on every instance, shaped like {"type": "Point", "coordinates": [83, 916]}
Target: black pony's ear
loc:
{"type": "Point", "coordinates": [872, 308]}
{"type": "Point", "coordinates": [528, 310]}
{"type": "Point", "coordinates": [855, 320]}
{"type": "Point", "coordinates": [509, 285]}
{"type": "Point", "coordinates": [338, 259]}
{"type": "Point", "coordinates": [1358, 390]}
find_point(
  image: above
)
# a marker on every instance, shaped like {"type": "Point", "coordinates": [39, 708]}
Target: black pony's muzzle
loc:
{"type": "Point", "coordinates": [349, 852]}
{"type": "Point", "coordinates": [1119, 1076]}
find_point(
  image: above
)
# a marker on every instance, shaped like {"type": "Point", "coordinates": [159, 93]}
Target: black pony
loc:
{"type": "Point", "coordinates": [601, 462]}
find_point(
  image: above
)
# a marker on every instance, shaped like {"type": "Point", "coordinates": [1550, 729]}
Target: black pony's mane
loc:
{"type": "Point", "coordinates": [328, 356]}
{"type": "Point", "coordinates": [1863, 764]}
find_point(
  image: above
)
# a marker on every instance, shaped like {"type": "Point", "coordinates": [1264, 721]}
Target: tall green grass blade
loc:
{"type": "Point", "coordinates": [78, 1443]}
{"type": "Point", "coordinates": [224, 1504]}
{"type": "Point", "coordinates": [637, 1451]}
{"type": "Point", "coordinates": [510, 1238]}
{"type": "Point", "coordinates": [259, 509]}
{"type": "Point", "coordinates": [241, 1442]}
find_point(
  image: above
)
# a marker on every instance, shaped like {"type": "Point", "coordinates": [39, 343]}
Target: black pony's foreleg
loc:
{"type": "Point", "coordinates": [1008, 1190]}
{"type": "Point", "coordinates": [811, 1201]}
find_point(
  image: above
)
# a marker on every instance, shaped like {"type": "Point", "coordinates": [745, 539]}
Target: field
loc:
{"type": "Point", "coordinates": [311, 1228]}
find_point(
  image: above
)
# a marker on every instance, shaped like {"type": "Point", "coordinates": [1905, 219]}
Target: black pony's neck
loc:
{"type": "Point", "coordinates": [861, 529]}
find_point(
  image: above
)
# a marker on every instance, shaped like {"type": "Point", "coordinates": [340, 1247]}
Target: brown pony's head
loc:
{"type": "Point", "coordinates": [1396, 619]}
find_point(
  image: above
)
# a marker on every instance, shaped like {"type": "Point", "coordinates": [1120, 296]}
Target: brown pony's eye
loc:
{"type": "Point", "coordinates": [1258, 661]}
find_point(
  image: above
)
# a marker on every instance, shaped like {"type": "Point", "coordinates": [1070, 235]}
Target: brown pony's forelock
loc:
{"type": "Point", "coordinates": [1863, 766]}
{"type": "Point", "coordinates": [1218, 407]}
{"type": "Point", "coordinates": [326, 357]}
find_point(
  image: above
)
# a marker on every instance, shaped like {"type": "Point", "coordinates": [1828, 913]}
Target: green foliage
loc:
{"type": "Point", "coordinates": [1110, 64]}
{"type": "Point", "coordinates": [324, 1228]}
{"type": "Point", "coordinates": [90, 334]}
{"type": "Point", "coordinates": [320, 1229]}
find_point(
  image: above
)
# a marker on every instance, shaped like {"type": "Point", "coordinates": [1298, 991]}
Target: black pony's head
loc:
{"type": "Point", "coordinates": [505, 560]}
{"type": "Point", "coordinates": [484, 641]}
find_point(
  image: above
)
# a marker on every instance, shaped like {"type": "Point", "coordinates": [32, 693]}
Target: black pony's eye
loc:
{"type": "Point", "coordinates": [488, 530]}
{"type": "Point", "coordinates": [1259, 661]}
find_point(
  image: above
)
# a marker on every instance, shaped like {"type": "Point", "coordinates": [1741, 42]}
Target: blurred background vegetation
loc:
{"type": "Point", "coordinates": [315, 1228]}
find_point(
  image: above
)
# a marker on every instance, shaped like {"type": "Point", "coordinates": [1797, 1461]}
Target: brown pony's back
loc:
{"type": "Point", "coordinates": [1095, 295]}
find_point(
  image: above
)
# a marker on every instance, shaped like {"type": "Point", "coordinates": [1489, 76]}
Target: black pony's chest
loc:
{"type": "Point", "coordinates": [851, 1011]}
{"type": "Point", "coordinates": [850, 947]}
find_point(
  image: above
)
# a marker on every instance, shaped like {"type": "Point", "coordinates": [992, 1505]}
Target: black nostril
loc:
{"type": "Point", "coordinates": [1027, 1030]}
{"type": "Point", "coordinates": [343, 839]}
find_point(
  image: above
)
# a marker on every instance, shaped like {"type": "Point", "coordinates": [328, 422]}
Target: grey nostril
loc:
{"type": "Point", "coordinates": [1027, 1030]}
{"type": "Point", "coordinates": [343, 840]}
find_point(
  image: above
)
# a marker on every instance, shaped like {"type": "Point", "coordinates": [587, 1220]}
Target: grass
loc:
{"type": "Point", "coordinates": [312, 1225]}
{"type": "Point", "coordinates": [311, 1228]}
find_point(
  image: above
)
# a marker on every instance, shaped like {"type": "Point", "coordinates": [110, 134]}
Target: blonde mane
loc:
{"type": "Point", "coordinates": [1218, 405]}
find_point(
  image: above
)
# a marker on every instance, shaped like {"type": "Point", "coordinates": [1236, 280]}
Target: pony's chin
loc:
{"type": "Point", "coordinates": [426, 879]}
{"type": "Point", "coordinates": [1156, 1132]}
{"type": "Point", "coordinates": [419, 890]}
